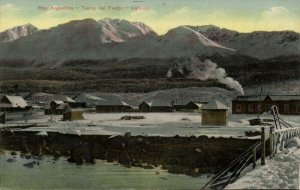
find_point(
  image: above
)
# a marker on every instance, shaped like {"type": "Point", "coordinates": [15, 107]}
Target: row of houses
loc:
{"type": "Point", "coordinates": [213, 113]}
{"type": "Point", "coordinates": [168, 106]}
{"type": "Point", "coordinates": [287, 104]}
{"type": "Point", "coordinates": [110, 104]}
{"type": "Point", "coordinates": [254, 104]}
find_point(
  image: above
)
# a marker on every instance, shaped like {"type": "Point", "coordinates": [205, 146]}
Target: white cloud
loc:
{"type": "Point", "coordinates": [274, 11]}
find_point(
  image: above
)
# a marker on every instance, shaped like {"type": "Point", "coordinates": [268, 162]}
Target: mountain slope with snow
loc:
{"type": "Point", "coordinates": [119, 30]}
{"type": "Point", "coordinates": [258, 44]}
{"type": "Point", "coordinates": [17, 32]}
{"type": "Point", "coordinates": [183, 41]}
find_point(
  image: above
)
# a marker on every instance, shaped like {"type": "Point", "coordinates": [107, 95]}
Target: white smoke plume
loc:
{"type": "Point", "coordinates": [208, 70]}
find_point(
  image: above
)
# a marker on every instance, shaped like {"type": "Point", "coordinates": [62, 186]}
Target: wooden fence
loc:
{"type": "Point", "coordinates": [279, 134]}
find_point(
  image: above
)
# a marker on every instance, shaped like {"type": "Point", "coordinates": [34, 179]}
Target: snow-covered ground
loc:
{"type": "Point", "coordinates": [280, 172]}
{"type": "Point", "coordinates": [163, 124]}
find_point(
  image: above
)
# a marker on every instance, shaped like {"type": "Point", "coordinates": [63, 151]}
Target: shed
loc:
{"type": "Point", "coordinates": [13, 103]}
{"type": "Point", "coordinates": [214, 114]}
{"type": "Point", "coordinates": [72, 115]}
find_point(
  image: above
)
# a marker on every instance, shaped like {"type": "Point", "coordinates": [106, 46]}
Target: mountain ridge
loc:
{"type": "Point", "coordinates": [119, 38]}
{"type": "Point", "coordinates": [17, 32]}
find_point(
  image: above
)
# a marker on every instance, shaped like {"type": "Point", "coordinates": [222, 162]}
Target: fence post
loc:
{"type": "Point", "coordinates": [254, 157]}
{"type": "Point", "coordinates": [263, 146]}
{"type": "Point", "coordinates": [271, 141]}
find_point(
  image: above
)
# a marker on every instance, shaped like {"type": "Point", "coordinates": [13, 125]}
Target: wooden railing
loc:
{"type": "Point", "coordinates": [230, 173]}
{"type": "Point", "coordinates": [279, 134]}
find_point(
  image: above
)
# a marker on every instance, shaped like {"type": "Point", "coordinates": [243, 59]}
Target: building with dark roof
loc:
{"type": "Point", "coordinates": [114, 104]}
{"type": "Point", "coordinates": [254, 104]}
{"type": "Point", "coordinates": [161, 105]}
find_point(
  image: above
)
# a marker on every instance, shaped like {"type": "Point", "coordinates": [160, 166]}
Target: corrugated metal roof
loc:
{"type": "Point", "coordinates": [15, 101]}
{"type": "Point", "coordinates": [161, 103]}
{"type": "Point", "coordinates": [251, 97]}
{"type": "Point", "coordinates": [45, 97]}
{"type": "Point", "coordinates": [181, 102]}
{"type": "Point", "coordinates": [214, 105]}
{"type": "Point", "coordinates": [58, 102]}
{"type": "Point", "coordinates": [87, 98]}
{"type": "Point", "coordinates": [90, 100]}
{"type": "Point", "coordinates": [285, 97]}
{"type": "Point", "coordinates": [112, 101]}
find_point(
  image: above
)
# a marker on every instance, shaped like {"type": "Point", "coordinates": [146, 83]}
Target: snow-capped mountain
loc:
{"type": "Point", "coordinates": [119, 30]}
{"type": "Point", "coordinates": [78, 39]}
{"type": "Point", "coordinates": [122, 39]}
{"type": "Point", "coordinates": [183, 41]}
{"type": "Point", "coordinates": [17, 32]}
{"type": "Point", "coordinates": [106, 39]}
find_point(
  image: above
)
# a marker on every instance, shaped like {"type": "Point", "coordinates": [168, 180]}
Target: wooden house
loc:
{"type": "Point", "coordinates": [214, 114]}
{"type": "Point", "coordinates": [13, 103]}
{"type": "Point", "coordinates": [170, 105]}
{"type": "Point", "coordinates": [179, 104]}
{"type": "Point", "coordinates": [162, 106]}
{"type": "Point", "coordinates": [113, 105]}
{"type": "Point", "coordinates": [254, 104]}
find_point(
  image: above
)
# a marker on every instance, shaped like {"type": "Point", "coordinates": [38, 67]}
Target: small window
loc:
{"type": "Point", "coordinates": [250, 108]}
{"type": "Point", "coordinates": [286, 108]}
{"type": "Point", "coordinates": [238, 108]}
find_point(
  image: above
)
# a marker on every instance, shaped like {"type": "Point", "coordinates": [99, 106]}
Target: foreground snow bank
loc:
{"type": "Point", "coordinates": [281, 172]}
